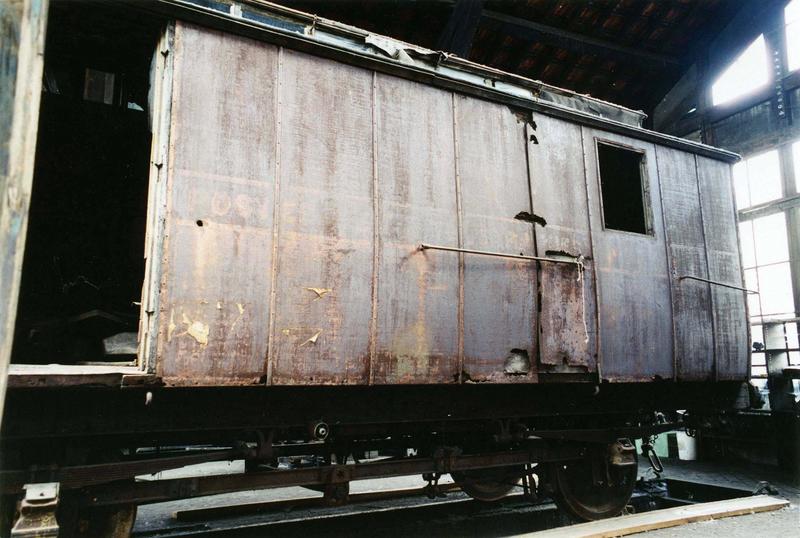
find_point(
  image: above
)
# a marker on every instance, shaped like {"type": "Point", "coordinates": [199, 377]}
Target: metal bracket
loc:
{"type": "Point", "coordinates": [444, 457]}
{"type": "Point", "coordinates": [37, 511]}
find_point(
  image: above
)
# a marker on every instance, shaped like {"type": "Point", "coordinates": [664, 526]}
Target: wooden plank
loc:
{"type": "Point", "coordinates": [691, 299]}
{"type": "Point", "coordinates": [67, 375]}
{"type": "Point", "coordinates": [499, 294]}
{"type": "Point", "coordinates": [323, 306]}
{"type": "Point", "coordinates": [218, 251]}
{"type": "Point", "coordinates": [669, 517]}
{"type": "Point", "coordinates": [417, 296]}
{"type": "Point", "coordinates": [633, 280]}
{"type": "Point", "coordinates": [730, 320]}
{"type": "Point", "coordinates": [567, 337]}
{"type": "Point", "coordinates": [22, 42]}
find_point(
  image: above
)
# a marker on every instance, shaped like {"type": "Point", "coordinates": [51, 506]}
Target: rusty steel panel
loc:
{"type": "Point", "coordinates": [321, 332]}
{"type": "Point", "coordinates": [730, 319]}
{"type": "Point", "coordinates": [499, 294]}
{"type": "Point", "coordinates": [567, 333]}
{"type": "Point", "coordinates": [417, 292]}
{"type": "Point", "coordinates": [691, 299]}
{"type": "Point", "coordinates": [635, 318]}
{"type": "Point", "coordinates": [213, 319]}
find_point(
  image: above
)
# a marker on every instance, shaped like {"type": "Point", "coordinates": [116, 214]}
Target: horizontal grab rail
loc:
{"type": "Point", "coordinates": [575, 261]}
{"type": "Point", "coordinates": [716, 283]}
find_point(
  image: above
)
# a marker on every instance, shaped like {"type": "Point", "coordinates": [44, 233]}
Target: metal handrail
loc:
{"type": "Point", "coordinates": [575, 261]}
{"type": "Point", "coordinates": [717, 283]}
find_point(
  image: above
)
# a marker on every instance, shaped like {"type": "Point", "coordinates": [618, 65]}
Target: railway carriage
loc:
{"type": "Point", "coordinates": [351, 244]}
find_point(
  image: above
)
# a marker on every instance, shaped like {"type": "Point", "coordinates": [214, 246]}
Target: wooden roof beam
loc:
{"type": "Point", "coordinates": [531, 30]}
{"type": "Point", "coordinates": [459, 32]}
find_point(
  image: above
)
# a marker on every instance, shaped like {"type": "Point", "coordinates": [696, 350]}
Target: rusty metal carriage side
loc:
{"type": "Point", "coordinates": [729, 306]}
{"type": "Point", "coordinates": [417, 292]}
{"type": "Point", "coordinates": [325, 253]}
{"type": "Point", "coordinates": [685, 236]}
{"type": "Point", "coordinates": [633, 281]}
{"type": "Point", "coordinates": [217, 254]}
{"type": "Point", "coordinates": [568, 321]}
{"type": "Point", "coordinates": [300, 189]}
{"type": "Point", "coordinates": [499, 294]}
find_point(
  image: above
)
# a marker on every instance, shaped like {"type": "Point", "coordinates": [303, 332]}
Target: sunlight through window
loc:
{"type": "Point", "coordinates": [792, 17]}
{"type": "Point", "coordinates": [747, 73]}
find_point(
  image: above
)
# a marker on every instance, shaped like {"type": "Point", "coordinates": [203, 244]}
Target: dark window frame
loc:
{"type": "Point", "coordinates": [644, 181]}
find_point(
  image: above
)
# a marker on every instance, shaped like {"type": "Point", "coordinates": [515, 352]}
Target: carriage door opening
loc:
{"type": "Point", "coordinates": [84, 265]}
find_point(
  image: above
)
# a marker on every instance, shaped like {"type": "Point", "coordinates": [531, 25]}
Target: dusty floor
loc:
{"type": "Point", "coordinates": [455, 515]}
{"type": "Point", "coordinates": [782, 523]}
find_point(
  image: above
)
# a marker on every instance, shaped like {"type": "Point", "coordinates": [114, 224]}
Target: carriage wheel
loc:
{"type": "Point", "coordinates": [488, 485]}
{"type": "Point", "coordinates": [580, 493]}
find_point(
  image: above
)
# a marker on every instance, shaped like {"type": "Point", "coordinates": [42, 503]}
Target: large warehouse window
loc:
{"type": "Point", "coordinates": [758, 179]}
{"type": "Point", "coordinates": [764, 192]}
{"type": "Point", "coordinates": [749, 72]}
{"type": "Point", "coordinates": [796, 159]}
{"type": "Point", "coordinates": [792, 17]}
{"type": "Point", "coordinates": [765, 254]}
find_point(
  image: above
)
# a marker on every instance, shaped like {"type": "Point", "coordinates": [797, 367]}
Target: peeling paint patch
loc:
{"type": "Point", "coordinates": [197, 330]}
{"type": "Point", "coordinates": [312, 340]}
{"type": "Point", "coordinates": [171, 327]}
{"type": "Point", "coordinates": [321, 292]}
{"type": "Point", "coordinates": [240, 306]}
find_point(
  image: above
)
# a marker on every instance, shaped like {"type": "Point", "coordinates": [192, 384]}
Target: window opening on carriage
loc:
{"type": "Point", "coordinates": [83, 268]}
{"type": "Point", "coordinates": [623, 189]}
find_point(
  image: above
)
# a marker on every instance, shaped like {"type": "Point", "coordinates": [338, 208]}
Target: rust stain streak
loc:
{"type": "Point", "coordinates": [459, 219]}
{"type": "Point", "coordinates": [268, 360]}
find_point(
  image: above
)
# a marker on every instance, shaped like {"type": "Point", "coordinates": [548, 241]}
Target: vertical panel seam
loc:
{"type": "Point", "coordinates": [711, 301]}
{"type": "Point", "coordinates": [670, 265]}
{"type": "Point", "coordinates": [597, 348]}
{"type": "Point", "coordinates": [459, 222]}
{"type": "Point", "coordinates": [537, 284]}
{"type": "Point", "coordinates": [270, 359]}
{"type": "Point", "coordinates": [373, 332]}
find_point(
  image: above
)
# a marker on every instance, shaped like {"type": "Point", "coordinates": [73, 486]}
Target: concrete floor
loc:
{"type": "Point", "coordinates": [457, 516]}
{"type": "Point", "coordinates": [783, 523]}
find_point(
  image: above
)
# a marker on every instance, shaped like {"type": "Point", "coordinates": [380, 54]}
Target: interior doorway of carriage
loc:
{"type": "Point", "coordinates": [84, 265]}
